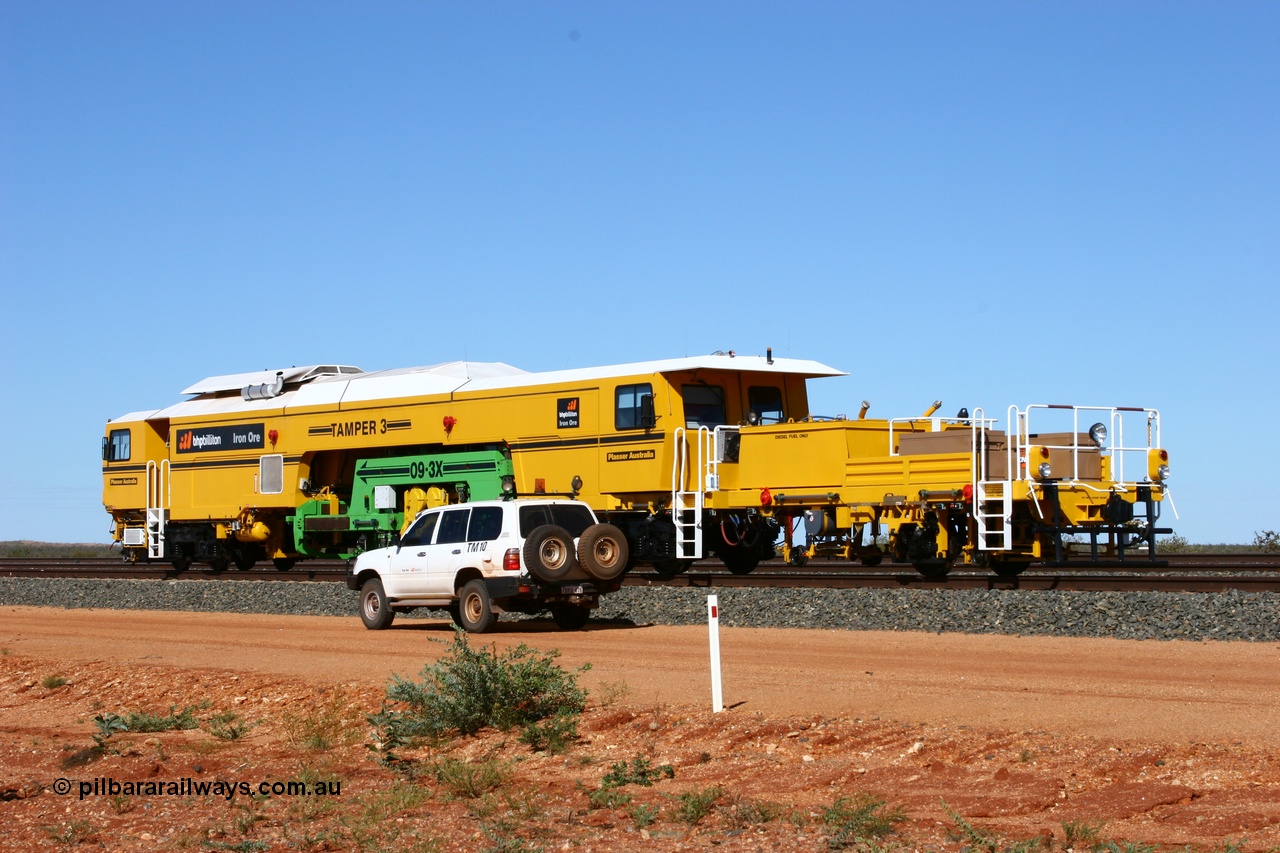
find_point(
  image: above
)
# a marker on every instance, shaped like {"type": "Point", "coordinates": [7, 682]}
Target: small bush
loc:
{"type": "Point", "coordinates": [1267, 540]}
{"type": "Point", "coordinates": [638, 772]}
{"type": "Point", "coordinates": [860, 818]}
{"type": "Point", "coordinates": [175, 720]}
{"type": "Point", "coordinates": [52, 682]}
{"type": "Point", "coordinates": [470, 779]}
{"type": "Point", "coordinates": [643, 815]}
{"type": "Point", "coordinates": [693, 806]}
{"type": "Point", "coordinates": [227, 725]}
{"type": "Point", "coordinates": [334, 721]}
{"type": "Point", "coordinates": [552, 734]}
{"type": "Point", "coordinates": [468, 690]}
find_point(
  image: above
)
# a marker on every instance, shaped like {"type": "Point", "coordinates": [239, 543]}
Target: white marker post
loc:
{"type": "Point", "coordinates": [713, 624]}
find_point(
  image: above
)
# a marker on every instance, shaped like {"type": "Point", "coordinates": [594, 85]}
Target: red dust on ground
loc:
{"type": "Point", "coordinates": [1060, 742]}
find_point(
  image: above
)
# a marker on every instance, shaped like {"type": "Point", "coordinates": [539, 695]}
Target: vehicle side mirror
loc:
{"type": "Point", "coordinates": [648, 419]}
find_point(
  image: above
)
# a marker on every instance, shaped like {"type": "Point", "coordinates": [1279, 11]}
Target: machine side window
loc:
{"type": "Point", "coordinates": [627, 414]}
{"type": "Point", "coordinates": [420, 533]}
{"type": "Point", "coordinates": [765, 404]}
{"type": "Point", "coordinates": [453, 527]}
{"type": "Point", "coordinates": [703, 405]}
{"type": "Point", "coordinates": [486, 524]}
{"type": "Point", "coordinates": [118, 446]}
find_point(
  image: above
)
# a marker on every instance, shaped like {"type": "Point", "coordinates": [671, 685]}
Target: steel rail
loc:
{"type": "Point", "coordinates": [1186, 573]}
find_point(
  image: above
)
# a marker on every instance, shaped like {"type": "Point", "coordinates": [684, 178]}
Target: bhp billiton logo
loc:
{"type": "Point", "coordinates": [184, 440]}
{"type": "Point", "coordinates": [572, 407]}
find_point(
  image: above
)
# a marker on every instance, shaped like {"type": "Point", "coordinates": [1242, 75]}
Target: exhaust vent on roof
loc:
{"type": "Point", "coordinates": [266, 390]}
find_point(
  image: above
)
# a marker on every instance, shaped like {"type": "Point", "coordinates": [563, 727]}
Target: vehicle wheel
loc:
{"type": "Point", "coordinates": [455, 613]}
{"type": "Point", "coordinates": [934, 570]}
{"type": "Point", "coordinates": [283, 564]}
{"type": "Point", "coordinates": [375, 610]}
{"type": "Point", "coordinates": [668, 569]}
{"type": "Point", "coordinates": [570, 617]}
{"type": "Point", "coordinates": [873, 560]}
{"type": "Point", "coordinates": [180, 558]}
{"type": "Point", "coordinates": [475, 612]}
{"type": "Point", "coordinates": [798, 557]}
{"type": "Point", "coordinates": [219, 564]}
{"type": "Point", "coordinates": [243, 559]}
{"type": "Point", "coordinates": [740, 561]}
{"type": "Point", "coordinates": [603, 551]}
{"type": "Point", "coordinates": [548, 552]}
{"type": "Point", "coordinates": [1007, 568]}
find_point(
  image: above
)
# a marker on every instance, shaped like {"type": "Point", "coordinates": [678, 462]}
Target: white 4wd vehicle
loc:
{"type": "Point", "coordinates": [478, 559]}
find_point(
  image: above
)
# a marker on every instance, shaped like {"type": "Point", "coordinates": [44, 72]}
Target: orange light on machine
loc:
{"type": "Point", "coordinates": [449, 423]}
{"type": "Point", "coordinates": [273, 436]}
{"type": "Point", "coordinates": [967, 493]}
{"type": "Point", "coordinates": [766, 497]}
{"type": "Point", "coordinates": [1157, 464]}
{"type": "Point", "coordinates": [1038, 462]}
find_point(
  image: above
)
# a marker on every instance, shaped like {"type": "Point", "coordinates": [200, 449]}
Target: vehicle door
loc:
{"type": "Point", "coordinates": [446, 555]}
{"type": "Point", "coordinates": [407, 569]}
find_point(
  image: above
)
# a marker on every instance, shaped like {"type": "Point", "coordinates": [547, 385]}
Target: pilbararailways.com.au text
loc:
{"type": "Point", "coordinates": [106, 786]}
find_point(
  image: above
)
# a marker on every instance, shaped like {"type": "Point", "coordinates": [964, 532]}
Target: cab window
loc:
{"type": "Point", "coordinates": [703, 405]}
{"type": "Point", "coordinates": [766, 404]}
{"type": "Point", "coordinates": [117, 446]}
{"type": "Point", "coordinates": [486, 524]}
{"type": "Point", "coordinates": [453, 526]}
{"type": "Point", "coordinates": [628, 405]}
{"type": "Point", "coordinates": [574, 518]}
{"type": "Point", "coordinates": [420, 533]}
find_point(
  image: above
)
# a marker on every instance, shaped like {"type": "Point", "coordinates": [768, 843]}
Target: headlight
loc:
{"type": "Point", "coordinates": [1098, 432]}
{"type": "Point", "coordinates": [1163, 472]}
{"type": "Point", "coordinates": [1045, 470]}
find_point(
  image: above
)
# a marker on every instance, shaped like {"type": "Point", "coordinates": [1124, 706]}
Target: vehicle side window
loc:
{"type": "Point", "coordinates": [453, 526]}
{"type": "Point", "coordinates": [572, 517]}
{"type": "Point", "coordinates": [532, 517]}
{"type": "Point", "coordinates": [766, 404]}
{"type": "Point", "coordinates": [420, 533]}
{"type": "Point", "coordinates": [627, 411]}
{"type": "Point", "coordinates": [486, 524]}
{"type": "Point", "coordinates": [703, 405]}
{"type": "Point", "coordinates": [118, 446]}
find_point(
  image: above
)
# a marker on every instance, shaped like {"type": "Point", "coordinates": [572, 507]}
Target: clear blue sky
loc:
{"type": "Point", "coordinates": [988, 203]}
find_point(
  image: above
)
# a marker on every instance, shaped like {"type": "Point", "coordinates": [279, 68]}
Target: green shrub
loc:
{"type": "Point", "coordinates": [468, 690]}
{"type": "Point", "coordinates": [175, 720]}
{"type": "Point", "coordinates": [52, 682]}
{"type": "Point", "coordinates": [638, 772]}
{"type": "Point", "coordinates": [860, 818]}
{"type": "Point", "coordinates": [227, 725]}
{"type": "Point", "coordinates": [693, 806]}
{"type": "Point", "coordinates": [552, 734]}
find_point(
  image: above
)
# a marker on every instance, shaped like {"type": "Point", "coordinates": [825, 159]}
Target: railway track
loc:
{"type": "Point", "coordinates": [1184, 573]}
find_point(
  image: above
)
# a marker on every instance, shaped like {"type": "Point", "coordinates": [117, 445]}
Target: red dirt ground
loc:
{"type": "Point", "coordinates": [1058, 743]}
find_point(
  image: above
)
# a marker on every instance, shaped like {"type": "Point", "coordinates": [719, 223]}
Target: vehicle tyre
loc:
{"type": "Point", "coordinates": [375, 610]}
{"type": "Point", "coordinates": [455, 613]}
{"type": "Point", "coordinates": [667, 569]}
{"type": "Point", "coordinates": [548, 553]}
{"type": "Point", "coordinates": [570, 617]}
{"type": "Point", "coordinates": [475, 611]}
{"type": "Point", "coordinates": [603, 551]}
